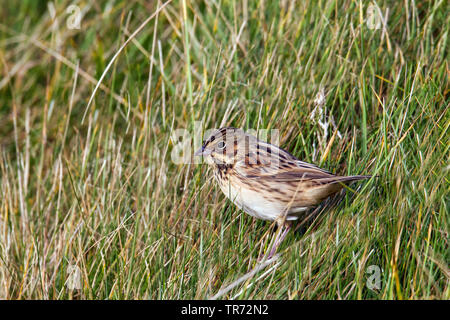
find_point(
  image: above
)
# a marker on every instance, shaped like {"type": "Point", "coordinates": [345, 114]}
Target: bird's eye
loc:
{"type": "Point", "coordinates": [221, 145]}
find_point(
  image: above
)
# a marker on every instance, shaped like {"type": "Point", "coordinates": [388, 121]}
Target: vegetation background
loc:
{"type": "Point", "coordinates": [93, 207]}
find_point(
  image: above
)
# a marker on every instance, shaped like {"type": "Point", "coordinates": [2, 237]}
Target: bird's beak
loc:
{"type": "Point", "coordinates": [202, 152]}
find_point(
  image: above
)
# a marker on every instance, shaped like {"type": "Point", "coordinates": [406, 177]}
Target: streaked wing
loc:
{"type": "Point", "coordinates": [276, 164]}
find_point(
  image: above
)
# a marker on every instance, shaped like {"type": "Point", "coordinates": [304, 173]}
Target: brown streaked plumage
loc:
{"type": "Point", "coordinates": [264, 180]}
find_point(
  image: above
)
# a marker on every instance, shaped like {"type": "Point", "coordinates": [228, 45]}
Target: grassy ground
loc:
{"type": "Point", "coordinates": [100, 197]}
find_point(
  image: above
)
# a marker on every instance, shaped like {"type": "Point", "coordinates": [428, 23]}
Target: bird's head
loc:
{"type": "Point", "coordinates": [226, 146]}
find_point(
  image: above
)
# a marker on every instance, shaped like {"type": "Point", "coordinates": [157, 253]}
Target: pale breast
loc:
{"type": "Point", "coordinates": [250, 201]}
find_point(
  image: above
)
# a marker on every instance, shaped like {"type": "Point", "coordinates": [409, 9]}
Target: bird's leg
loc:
{"type": "Point", "coordinates": [279, 238]}
{"type": "Point", "coordinates": [273, 241]}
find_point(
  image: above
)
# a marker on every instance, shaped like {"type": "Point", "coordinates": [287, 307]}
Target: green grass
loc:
{"type": "Point", "coordinates": [104, 195]}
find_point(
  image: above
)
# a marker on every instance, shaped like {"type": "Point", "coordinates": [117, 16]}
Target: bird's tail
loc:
{"type": "Point", "coordinates": [343, 179]}
{"type": "Point", "coordinates": [326, 187]}
{"type": "Point", "coordinates": [352, 178]}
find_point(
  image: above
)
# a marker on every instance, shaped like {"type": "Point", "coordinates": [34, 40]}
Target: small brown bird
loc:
{"type": "Point", "coordinates": [266, 181]}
